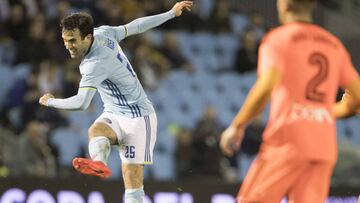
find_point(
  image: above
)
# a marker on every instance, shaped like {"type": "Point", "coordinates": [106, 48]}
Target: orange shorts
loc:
{"type": "Point", "coordinates": [279, 173]}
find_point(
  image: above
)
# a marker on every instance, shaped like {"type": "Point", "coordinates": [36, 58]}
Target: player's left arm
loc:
{"type": "Point", "coordinates": [143, 24]}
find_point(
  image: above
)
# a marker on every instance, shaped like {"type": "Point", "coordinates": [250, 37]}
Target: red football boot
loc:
{"type": "Point", "coordinates": [92, 168]}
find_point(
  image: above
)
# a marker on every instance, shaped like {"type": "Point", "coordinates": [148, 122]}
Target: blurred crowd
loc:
{"type": "Point", "coordinates": [31, 46]}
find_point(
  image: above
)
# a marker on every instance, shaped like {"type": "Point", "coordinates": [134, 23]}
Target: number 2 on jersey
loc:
{"type": "Point", "coordinates": [321, 62]}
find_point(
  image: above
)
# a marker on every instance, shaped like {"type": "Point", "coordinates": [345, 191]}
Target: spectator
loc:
{"type": "Point", "coordinates": [5, 10]}
{"type": "Point", "coordinates": [35, 157]}
{"type": "Point", "coordinates": [17, 25]}
{"type": "Point", "coordinates": [8, 159]}
{"type": "Point", "coordinates": [184, 154]}
{"type": "Point", "coordinates": [246, 55]}
{"type": "Point", "coordinates": [150, 65]}
{"type": "Point", "coordinates": [256, 26]}
{"type": "Point", "coordinates": [71, 78]}
{"type": "Point", "coordinates": [191, 21]}
{"type": "Point", "coordinates": [21, 90]}
{"type": "Point", "coordinates": [130, 10]}
{"type": "Point", "coordinates": [36, 39]}
{"type": "Point", "coordinates": [206, 144]}
{"type": "Point", "coordinates": [57, 53]}
{"type": "Point", "coordinates": [171, 50]}
{"type": "Point", "coordinates": [49, 77]}
{"type": "Point", "coordinates": [7, 47]}
{"type": "Point", "coordinates": [220, 17]}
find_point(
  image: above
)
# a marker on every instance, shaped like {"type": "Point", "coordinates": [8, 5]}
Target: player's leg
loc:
{"type": "Point", "coordinates": [313, 185]}
{"type": "Point", "coordinates": [270, 176]}
{"type": "Point", "coordinates": [101, 137]}
{"type": "Point", "coordinates": [133, 175]}
{"type": "Point", "coordinates": [135, 151]}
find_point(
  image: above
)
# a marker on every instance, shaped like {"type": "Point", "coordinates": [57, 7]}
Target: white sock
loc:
{"type": "Point", "coordinates": [134, 195]}
{"type": "Point", "coordinates": [99, 148]}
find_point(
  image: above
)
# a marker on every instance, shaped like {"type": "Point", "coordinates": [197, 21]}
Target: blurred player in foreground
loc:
{"type": "Point", "coordinates": [301, 67]}
{"type": "Point", "coordinates": [129, 120]}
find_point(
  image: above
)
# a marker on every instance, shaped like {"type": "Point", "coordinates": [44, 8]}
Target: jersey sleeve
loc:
{"type": "Point", "coordinates": [80, 101]}
{"type": "Point", "coordinates": [136, 26]}
{"type": "Point", "coordinates": [348, 72]}
{"type": "Point", "coordinates": [116, 32]}
{"type": "Point", "coordinates": [92, 76]}
{"type": "Point", "coordinates": [270, 55]}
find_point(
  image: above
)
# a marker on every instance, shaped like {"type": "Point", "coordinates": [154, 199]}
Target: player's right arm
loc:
{"type": "Point", "coordinates": [92, 76]}
{"type": "Point", "coordinates": [271, 68]}
{"type": "Point", "coordinates": [81, 101]}
{"type": "Point", "coordinates": [143, 24]}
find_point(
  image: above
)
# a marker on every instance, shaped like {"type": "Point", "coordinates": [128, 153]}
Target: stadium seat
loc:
{"type": "Point", "coordinates": [67, 142]}
{"type": "Point", "coordinates": [6, 79]}
{"type": "Point", "coordinates": [238, 23]}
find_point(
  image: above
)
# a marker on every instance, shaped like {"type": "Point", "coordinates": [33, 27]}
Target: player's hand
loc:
{"type": "Point", "coordinates": [350, 102]}
{"type": "Point", "coordinates": [345, 96]}
{"type": "Point", "coordinates": [231, 140]}
{"type": "Point", "coordinates": [45, 99]}
{"type": "Point", "coordinates": [179, 7]}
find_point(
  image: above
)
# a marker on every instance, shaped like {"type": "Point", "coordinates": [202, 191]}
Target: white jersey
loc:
{"type": "Point", "coordinates": [106, 68]}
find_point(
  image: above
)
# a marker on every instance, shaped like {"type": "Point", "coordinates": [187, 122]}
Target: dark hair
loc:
{"type": "Point", "coordinates": [83, 21]}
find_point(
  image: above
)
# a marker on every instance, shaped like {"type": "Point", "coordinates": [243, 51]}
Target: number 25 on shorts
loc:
{"type": "Point", "coordinates": [129, 151]}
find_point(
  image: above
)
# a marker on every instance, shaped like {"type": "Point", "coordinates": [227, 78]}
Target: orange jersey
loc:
{"type": "Point", "coordinates": [313, 63]}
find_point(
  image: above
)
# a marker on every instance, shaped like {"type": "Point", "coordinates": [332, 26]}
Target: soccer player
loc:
{"type": "Point", "coordinates": [300, 68]}
{"type": "Point", "coordinates": [129, 120]}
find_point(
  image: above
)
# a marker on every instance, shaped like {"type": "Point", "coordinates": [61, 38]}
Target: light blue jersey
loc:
{"type": "Point", "coordinates": [106, 68]}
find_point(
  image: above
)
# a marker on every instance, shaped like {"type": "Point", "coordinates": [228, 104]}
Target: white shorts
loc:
{"type": "Point", "coordinates": [136, 136]}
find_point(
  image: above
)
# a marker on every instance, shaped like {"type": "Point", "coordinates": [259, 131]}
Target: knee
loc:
{"type": "Point", "coordinates": [94, 130]}
{"type": "Point", "coordinates": [100, 129]}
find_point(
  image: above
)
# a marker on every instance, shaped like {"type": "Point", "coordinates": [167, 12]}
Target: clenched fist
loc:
{"type": "Point", "coordinates": [45, 99]}
{"type": "Point", "coordinates": [179, 7]}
